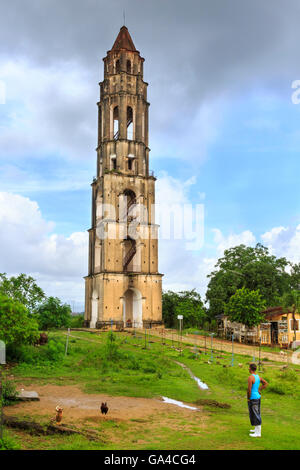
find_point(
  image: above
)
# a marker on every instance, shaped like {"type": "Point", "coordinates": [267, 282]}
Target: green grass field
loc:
{"type": "Point", "coordinates": [124, 367]}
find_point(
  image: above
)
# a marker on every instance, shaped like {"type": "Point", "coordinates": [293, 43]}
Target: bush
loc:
{"type": "Point", "coordinates": [289, 375]}
{"type": "Point", "coordinates": [77, 321]}
{"type": "Point", "coordinates": [111, 352]}
{"type": "Point", "coordinates": [9, 392]}
{"type": "Point", "coordinates": [53, 351]}
{"type": "Point", "coordinates": [16, 326]}
{"type": "Point", "coordinates": [53, 314]}
{"type": "Point", "coordinates": [277, 388]}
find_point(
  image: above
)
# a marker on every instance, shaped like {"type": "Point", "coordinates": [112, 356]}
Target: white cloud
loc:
{"type": "Point", "coordinates": [170, 190]}
{"type": "Point", "coordinates": [28, 244]}
{"type": "Point", "coordinates": [48, 110]}
{"type": "Point", "coordinates": [284, 241]}
{"type": "Point", "coordinates": [225, 242]}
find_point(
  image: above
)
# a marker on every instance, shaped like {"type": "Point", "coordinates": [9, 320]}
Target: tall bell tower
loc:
{"type": "Point", "coordinates": [123, 285]}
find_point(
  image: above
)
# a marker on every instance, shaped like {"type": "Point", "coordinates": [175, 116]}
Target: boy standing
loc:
{"type": "Point", "coordinates": [255, 385]}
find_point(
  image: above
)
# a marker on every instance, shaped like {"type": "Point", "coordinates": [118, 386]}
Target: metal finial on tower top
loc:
{"type": "Point", "coordinates": [124, 16]}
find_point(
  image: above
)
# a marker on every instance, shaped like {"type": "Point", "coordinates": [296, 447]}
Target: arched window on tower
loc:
{"type": "Point", "coordinates": [128, 66]}
{"type": "Point", "coordinates": [126, 202]}
{"type": "Point", "coordinates": [116, 122]}
{"type": "Point", "coordinates": [129, 123]}
{"type": "Point", "coordinates": [130, 161]}
{"type": "Point", "coordinates": [118, 66]}
{"type": "Point", "coordinates": [130, 198]}
{"type": "Point", "coordinates": [113, 162]}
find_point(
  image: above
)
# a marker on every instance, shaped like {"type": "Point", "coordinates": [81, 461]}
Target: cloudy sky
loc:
{"type": "Point", "coordinates": [224, 131]}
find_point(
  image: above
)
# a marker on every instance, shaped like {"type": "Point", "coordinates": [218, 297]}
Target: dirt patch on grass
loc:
{"type": "Point", "coordinates": [80, 406]}
{"type": "Point", "coordinates": [130, 422]}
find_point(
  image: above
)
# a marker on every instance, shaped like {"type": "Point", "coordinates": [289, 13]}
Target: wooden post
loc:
{"type": "Point", "coordinates": [232, 358]}
{"type": "Point", "coordinates": [67, 342]}
{"type": "Point", "coordinates": [211, 356]}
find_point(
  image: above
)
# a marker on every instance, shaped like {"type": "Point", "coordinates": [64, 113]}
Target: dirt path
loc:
{"type": "Point", "coordinates": [223, 345]}
{"type": "Point", "coordinates": [80, 406]}
{"type": "Point", "coordinates": [218, 344]}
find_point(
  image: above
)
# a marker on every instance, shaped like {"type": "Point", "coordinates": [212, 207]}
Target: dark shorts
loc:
{"type": "Point", "coordinates": [254, 412]}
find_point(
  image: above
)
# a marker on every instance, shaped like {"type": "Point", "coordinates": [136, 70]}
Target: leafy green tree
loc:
{"type": "Point", "coordinates": [253, 268]}
{"type": "Point", "coordinates": [23, 289]}
{"type": "Point", "coordinates": [169, 301]}
{"type": "Point", "coordinates": [295, 276]}
{"type": "Point", "coordinates": [186, 303]}
{"type": "Point", "coordinates": [193, 314]}
{"type": "Point", "coordinates": [16, 325]}
{"type": "Point", "coordinates": [52, 313]}
{"type": "Point", "coordinates": [246, 306]}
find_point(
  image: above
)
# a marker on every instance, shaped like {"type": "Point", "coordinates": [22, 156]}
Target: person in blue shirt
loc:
{"type": "Point", "coordinates": [255, 385]}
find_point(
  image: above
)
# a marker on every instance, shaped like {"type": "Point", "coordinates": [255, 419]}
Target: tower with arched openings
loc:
{"type": "Point", "coordinates": [123, 286]}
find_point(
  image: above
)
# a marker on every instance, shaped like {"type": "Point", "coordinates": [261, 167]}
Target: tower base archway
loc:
{"type": "Point", "coordinates": [132, 308]}
{"type": "Point", "coordinates": [94, 313]}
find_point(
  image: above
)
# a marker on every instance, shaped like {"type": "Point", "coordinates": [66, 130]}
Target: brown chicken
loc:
{"type": "Point", "coordinates": [58, 417]}
{"type": "Point", "coordinates": [104, 408]}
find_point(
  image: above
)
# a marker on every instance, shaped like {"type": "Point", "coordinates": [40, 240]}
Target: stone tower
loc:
{"type": "Point", "coordinates": [123, 285]}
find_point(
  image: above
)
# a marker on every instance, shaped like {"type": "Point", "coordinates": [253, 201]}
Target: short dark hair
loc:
{"type": "Point", "coordinates": [253, 367]}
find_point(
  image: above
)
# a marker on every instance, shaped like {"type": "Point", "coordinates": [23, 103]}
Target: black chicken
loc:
{"type": "Point", "coordinates": [104, 408]}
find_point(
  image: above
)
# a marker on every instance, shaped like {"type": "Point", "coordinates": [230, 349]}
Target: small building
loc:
{"type": "Point", "coordinates": [241, 332]}
{"type": "Point", "coordinates": [278, 327]}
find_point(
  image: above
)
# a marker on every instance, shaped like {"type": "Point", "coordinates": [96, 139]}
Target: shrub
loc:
{"type": "Point", "coordinates": [53, 314]}
{"type": "Point", "coordinates": [277, 388]}
{"type": "Point", "coordinates": [53, 351]}
{"type": "Point", "coordinates": [111, 351]}
{"type": "Point", "coordinates": [289, 375]}
{"type": "Point", "coordinates": [16, 326]}
{"type": "Point", "coordinates": [9, 392]}
{"type": "Point", "coordinates": [77, 321]}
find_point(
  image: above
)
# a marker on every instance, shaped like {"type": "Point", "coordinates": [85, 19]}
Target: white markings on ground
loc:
{"type": "Point", "coordinates": [178, 403]}
{"type": "Point", "coordinates": [200, 384]}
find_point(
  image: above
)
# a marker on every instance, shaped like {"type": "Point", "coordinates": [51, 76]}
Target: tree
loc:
{"type": "Point", "coordinates": [295, 276]}
{"type": "Point", "coordinates": [193, 314]}
{"type": "Point", "coordinates": [53, 314]}
{"type": "Point", "coordinates": [23, 289]}
{"type": "Point", "coordinates": [169, 301]}
{"type": "Point", "coordinates": [291, 302]}
{"type": "Point", "coordinates": [186, 303]}
{"type": "Point", "coordinates": [246, 307]}
{"type": "Point", "coordinates": [253, 268]}
{"type": "Point", "coordinates": [16, 325]}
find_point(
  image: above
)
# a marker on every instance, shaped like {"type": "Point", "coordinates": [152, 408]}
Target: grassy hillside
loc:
{"type": "Point", "coordinates": [121, 366]}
